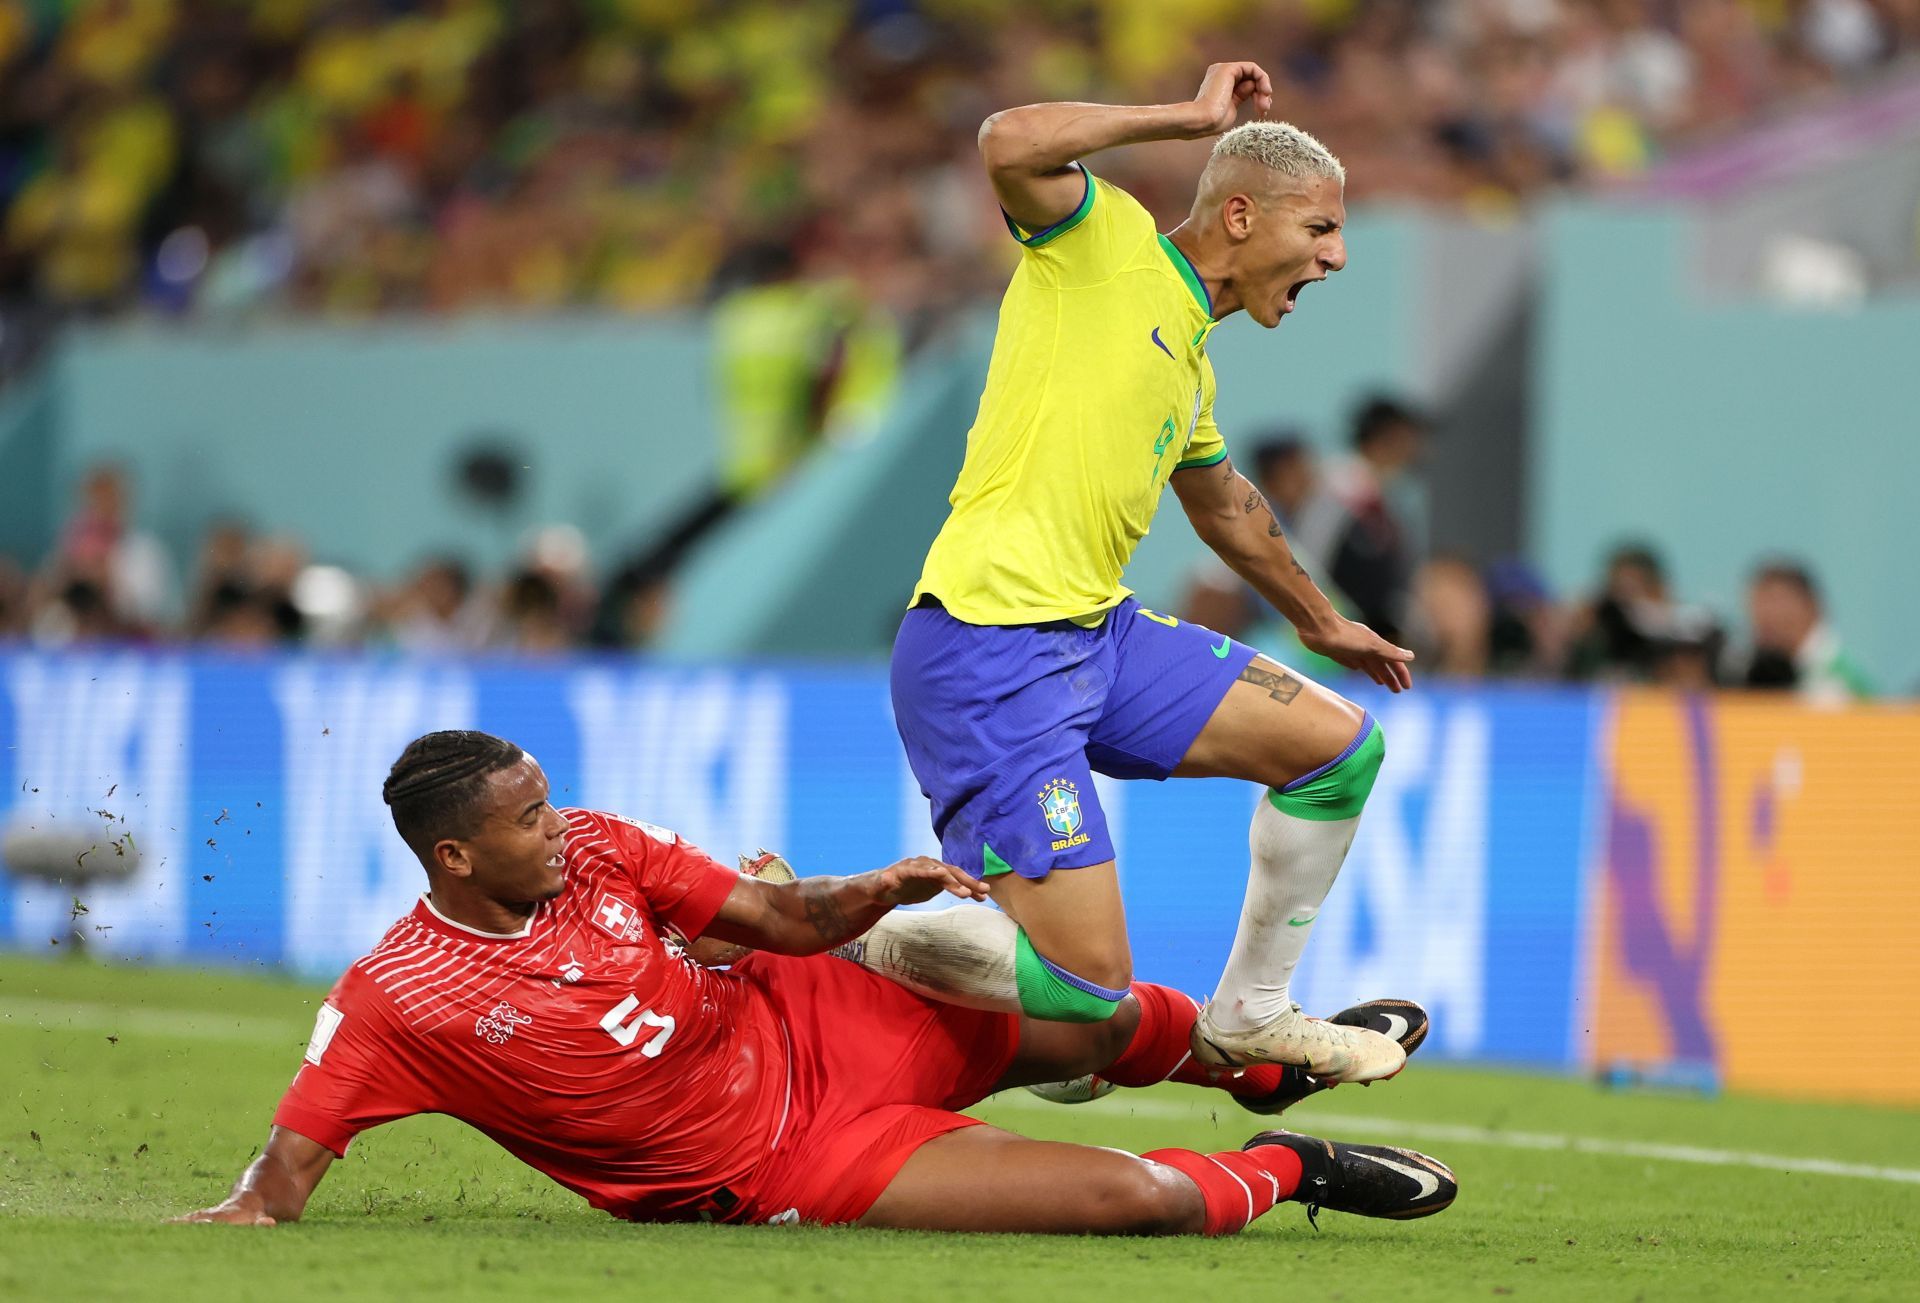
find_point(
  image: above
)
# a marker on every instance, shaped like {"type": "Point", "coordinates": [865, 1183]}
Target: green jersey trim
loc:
{"type": "Point", "coordinates": [1212, 459]}
{"type": "Point", "coordinates": [1187, 274]}
{"type": "Point", "coordinates": [1059, 228]}
{"type": "Point", "coordinates": [992, 863]}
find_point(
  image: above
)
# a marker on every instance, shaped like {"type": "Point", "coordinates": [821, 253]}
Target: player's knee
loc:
{"type": "Point", "coordinates": [1339, 788]}
{"type": "Point", "coordinates": [1144, 1198]}
{"type": "Point", "coordinates": [1114, 972]}
{"type": "Point", "coordinates": [1050, 991]}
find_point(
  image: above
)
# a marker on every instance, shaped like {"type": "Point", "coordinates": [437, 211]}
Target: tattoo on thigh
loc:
{"type": "Point", "coordinates": [1281, 686]}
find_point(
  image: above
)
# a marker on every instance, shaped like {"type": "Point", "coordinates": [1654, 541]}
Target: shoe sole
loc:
{"type": "Point", "coordinates": [1230, 1061]}
{"type": "Point", "coordinates": [1415, 1014]}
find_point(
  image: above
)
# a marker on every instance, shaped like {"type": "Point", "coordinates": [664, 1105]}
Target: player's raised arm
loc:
{"type": "Point", "coordinates": [276, 1185]}
{"type": "Point", "coordinates": [1234, 519]}
{"type": "Point", "coordinates": [1029, 151]}
{"type": "Point", "coordinates": [813, 915]}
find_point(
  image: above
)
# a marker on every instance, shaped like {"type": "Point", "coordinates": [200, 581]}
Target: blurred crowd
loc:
{"type": "Point", "coordinates": [353, 156]}
{"type": "Point", "coordinates": [110, 581]}
{"type": "Point", "coordinates": [1352, 522]}
{"type": "Point", "coordinates": [1356, 522]}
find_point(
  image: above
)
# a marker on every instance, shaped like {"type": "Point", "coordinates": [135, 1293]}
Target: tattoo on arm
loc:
{"type": "Point", "coordinates": [1281, 686]}
{"type": "Point", "coordinates": [1256, 501]}
{"type": "Point", "coordinates": [824, 913]}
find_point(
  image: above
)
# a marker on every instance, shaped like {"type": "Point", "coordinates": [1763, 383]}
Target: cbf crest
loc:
{"type": "Point", "coordinates": [1060, 803]}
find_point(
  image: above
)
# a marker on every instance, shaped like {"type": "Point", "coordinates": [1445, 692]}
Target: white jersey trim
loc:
{"type": "Point", "coordinates": [526, 929]}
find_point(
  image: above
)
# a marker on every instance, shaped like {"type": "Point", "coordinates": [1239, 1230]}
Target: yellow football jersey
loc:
{"type": "Point", "coordinates": [1098, 390]}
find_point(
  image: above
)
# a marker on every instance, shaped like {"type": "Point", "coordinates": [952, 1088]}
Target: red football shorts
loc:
{"type": "Point", "coordinates": [877, 1072]}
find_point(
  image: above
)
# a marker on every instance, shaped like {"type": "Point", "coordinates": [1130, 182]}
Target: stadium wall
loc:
{"type": "Point", "coordinates": [349, 436]}
{"type": "Point", "coordinates": [1724, 431]}
{"type": "Point", "coordinates": [1572, 880]}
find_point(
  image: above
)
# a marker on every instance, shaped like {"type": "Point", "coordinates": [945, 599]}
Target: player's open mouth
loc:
{"type": "Point", "coordinates": [1293, 295]}
{"type": "Point", "coordinates": [555, 861]}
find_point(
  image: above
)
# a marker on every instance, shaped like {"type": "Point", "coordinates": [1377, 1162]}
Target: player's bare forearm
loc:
{"type": "Point", "coordinates": [276, 1185]}
{"type": "Point", "coordinates": [1029, 150]}
{"type": "Point", "coordinates": [1043, 139]}
{"type": "Point", "coordinates": [814, 915]}
{"type": "Point", "coordinates": [1234, 519]}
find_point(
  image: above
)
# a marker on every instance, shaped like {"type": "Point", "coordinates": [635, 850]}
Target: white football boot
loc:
{"type": "Point", "coordinates": [1328, 1051]}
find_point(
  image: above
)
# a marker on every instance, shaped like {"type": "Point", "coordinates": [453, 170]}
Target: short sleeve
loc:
{"type": "Point", "coordinates": [353, 1078]}
{"type": "Point", "coordinates": [1205, 446]}
{"type": "Point", "coordinates": [1093, 242]}
{"type": "Point", "coordinates": [680, 883]}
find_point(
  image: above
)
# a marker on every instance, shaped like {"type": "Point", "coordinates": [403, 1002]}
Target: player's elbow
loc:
{"type": "Point", "coordinates": [1005, 147]}
{"type": "Point", "coordinates": [992, 138]}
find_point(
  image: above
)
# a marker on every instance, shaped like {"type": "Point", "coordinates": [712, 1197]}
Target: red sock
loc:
{"type": "Point", "coordinates": [1236, 1186]}
{"type": "Point", "coordinates": [1158, 1051]}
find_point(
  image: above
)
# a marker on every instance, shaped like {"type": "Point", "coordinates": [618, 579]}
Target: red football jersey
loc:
{"type": "Point", "coordinates": [585, 1044]}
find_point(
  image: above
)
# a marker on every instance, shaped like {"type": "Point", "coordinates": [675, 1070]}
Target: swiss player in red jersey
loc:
{"type": "Point", "coordinates": [541, 993]}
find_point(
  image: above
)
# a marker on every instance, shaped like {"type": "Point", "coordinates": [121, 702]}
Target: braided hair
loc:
{"type": "Point", "coordinates": [437, 787]}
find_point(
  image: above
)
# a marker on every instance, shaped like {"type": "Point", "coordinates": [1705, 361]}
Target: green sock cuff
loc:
{"type": "Point", "coordinates": [1340, 789]}
{"type": "Point", "coordinates": [1044, 995]}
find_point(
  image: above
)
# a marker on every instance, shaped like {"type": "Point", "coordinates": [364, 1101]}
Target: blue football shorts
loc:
{"type": "Point", "coordinates": [1005, 725]}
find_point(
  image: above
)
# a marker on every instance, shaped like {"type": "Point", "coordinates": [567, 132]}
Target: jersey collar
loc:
{"type": "Point", "coordinates": [1187, 274]}
{"type": "Point", "coordinates": [434, 915]}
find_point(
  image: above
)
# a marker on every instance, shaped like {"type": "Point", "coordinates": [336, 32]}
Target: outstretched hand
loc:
{"type": "Point", "coordinates": [918, 879]}
{"type": "Point", "coordinates": [1224, 89]}
{"type": "Point", "coordinates": [1357, 647]}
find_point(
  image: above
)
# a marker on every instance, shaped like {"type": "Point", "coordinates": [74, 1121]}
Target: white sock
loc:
{"type": "Point", "coordinates": [1294, 864]}
{"type": "Point", "coordinates": [962, 956]}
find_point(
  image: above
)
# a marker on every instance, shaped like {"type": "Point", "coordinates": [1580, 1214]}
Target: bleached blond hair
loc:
{"type": "Point", "coordinates": [1280, 146]}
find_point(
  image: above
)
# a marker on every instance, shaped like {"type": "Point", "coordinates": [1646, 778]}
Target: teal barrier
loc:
{"type": "Point", "coordinates": [346, 436]}
{"type": "Point", "coordinates": [1724, 431]}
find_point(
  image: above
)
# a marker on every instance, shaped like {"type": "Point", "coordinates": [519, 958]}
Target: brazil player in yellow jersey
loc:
{"type": "Point", "coordinates": [1024, 666]}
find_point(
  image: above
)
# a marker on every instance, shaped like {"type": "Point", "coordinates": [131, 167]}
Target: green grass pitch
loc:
{"type": "Point", "coordinates": [129, 1094]}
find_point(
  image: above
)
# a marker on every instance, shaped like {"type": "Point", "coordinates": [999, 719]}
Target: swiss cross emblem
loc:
{"type": "Point", "coordinates": [616, 917]}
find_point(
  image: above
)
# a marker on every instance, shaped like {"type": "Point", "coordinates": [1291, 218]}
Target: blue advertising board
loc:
{"type": "Point", "coordinates": [244, 795]}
